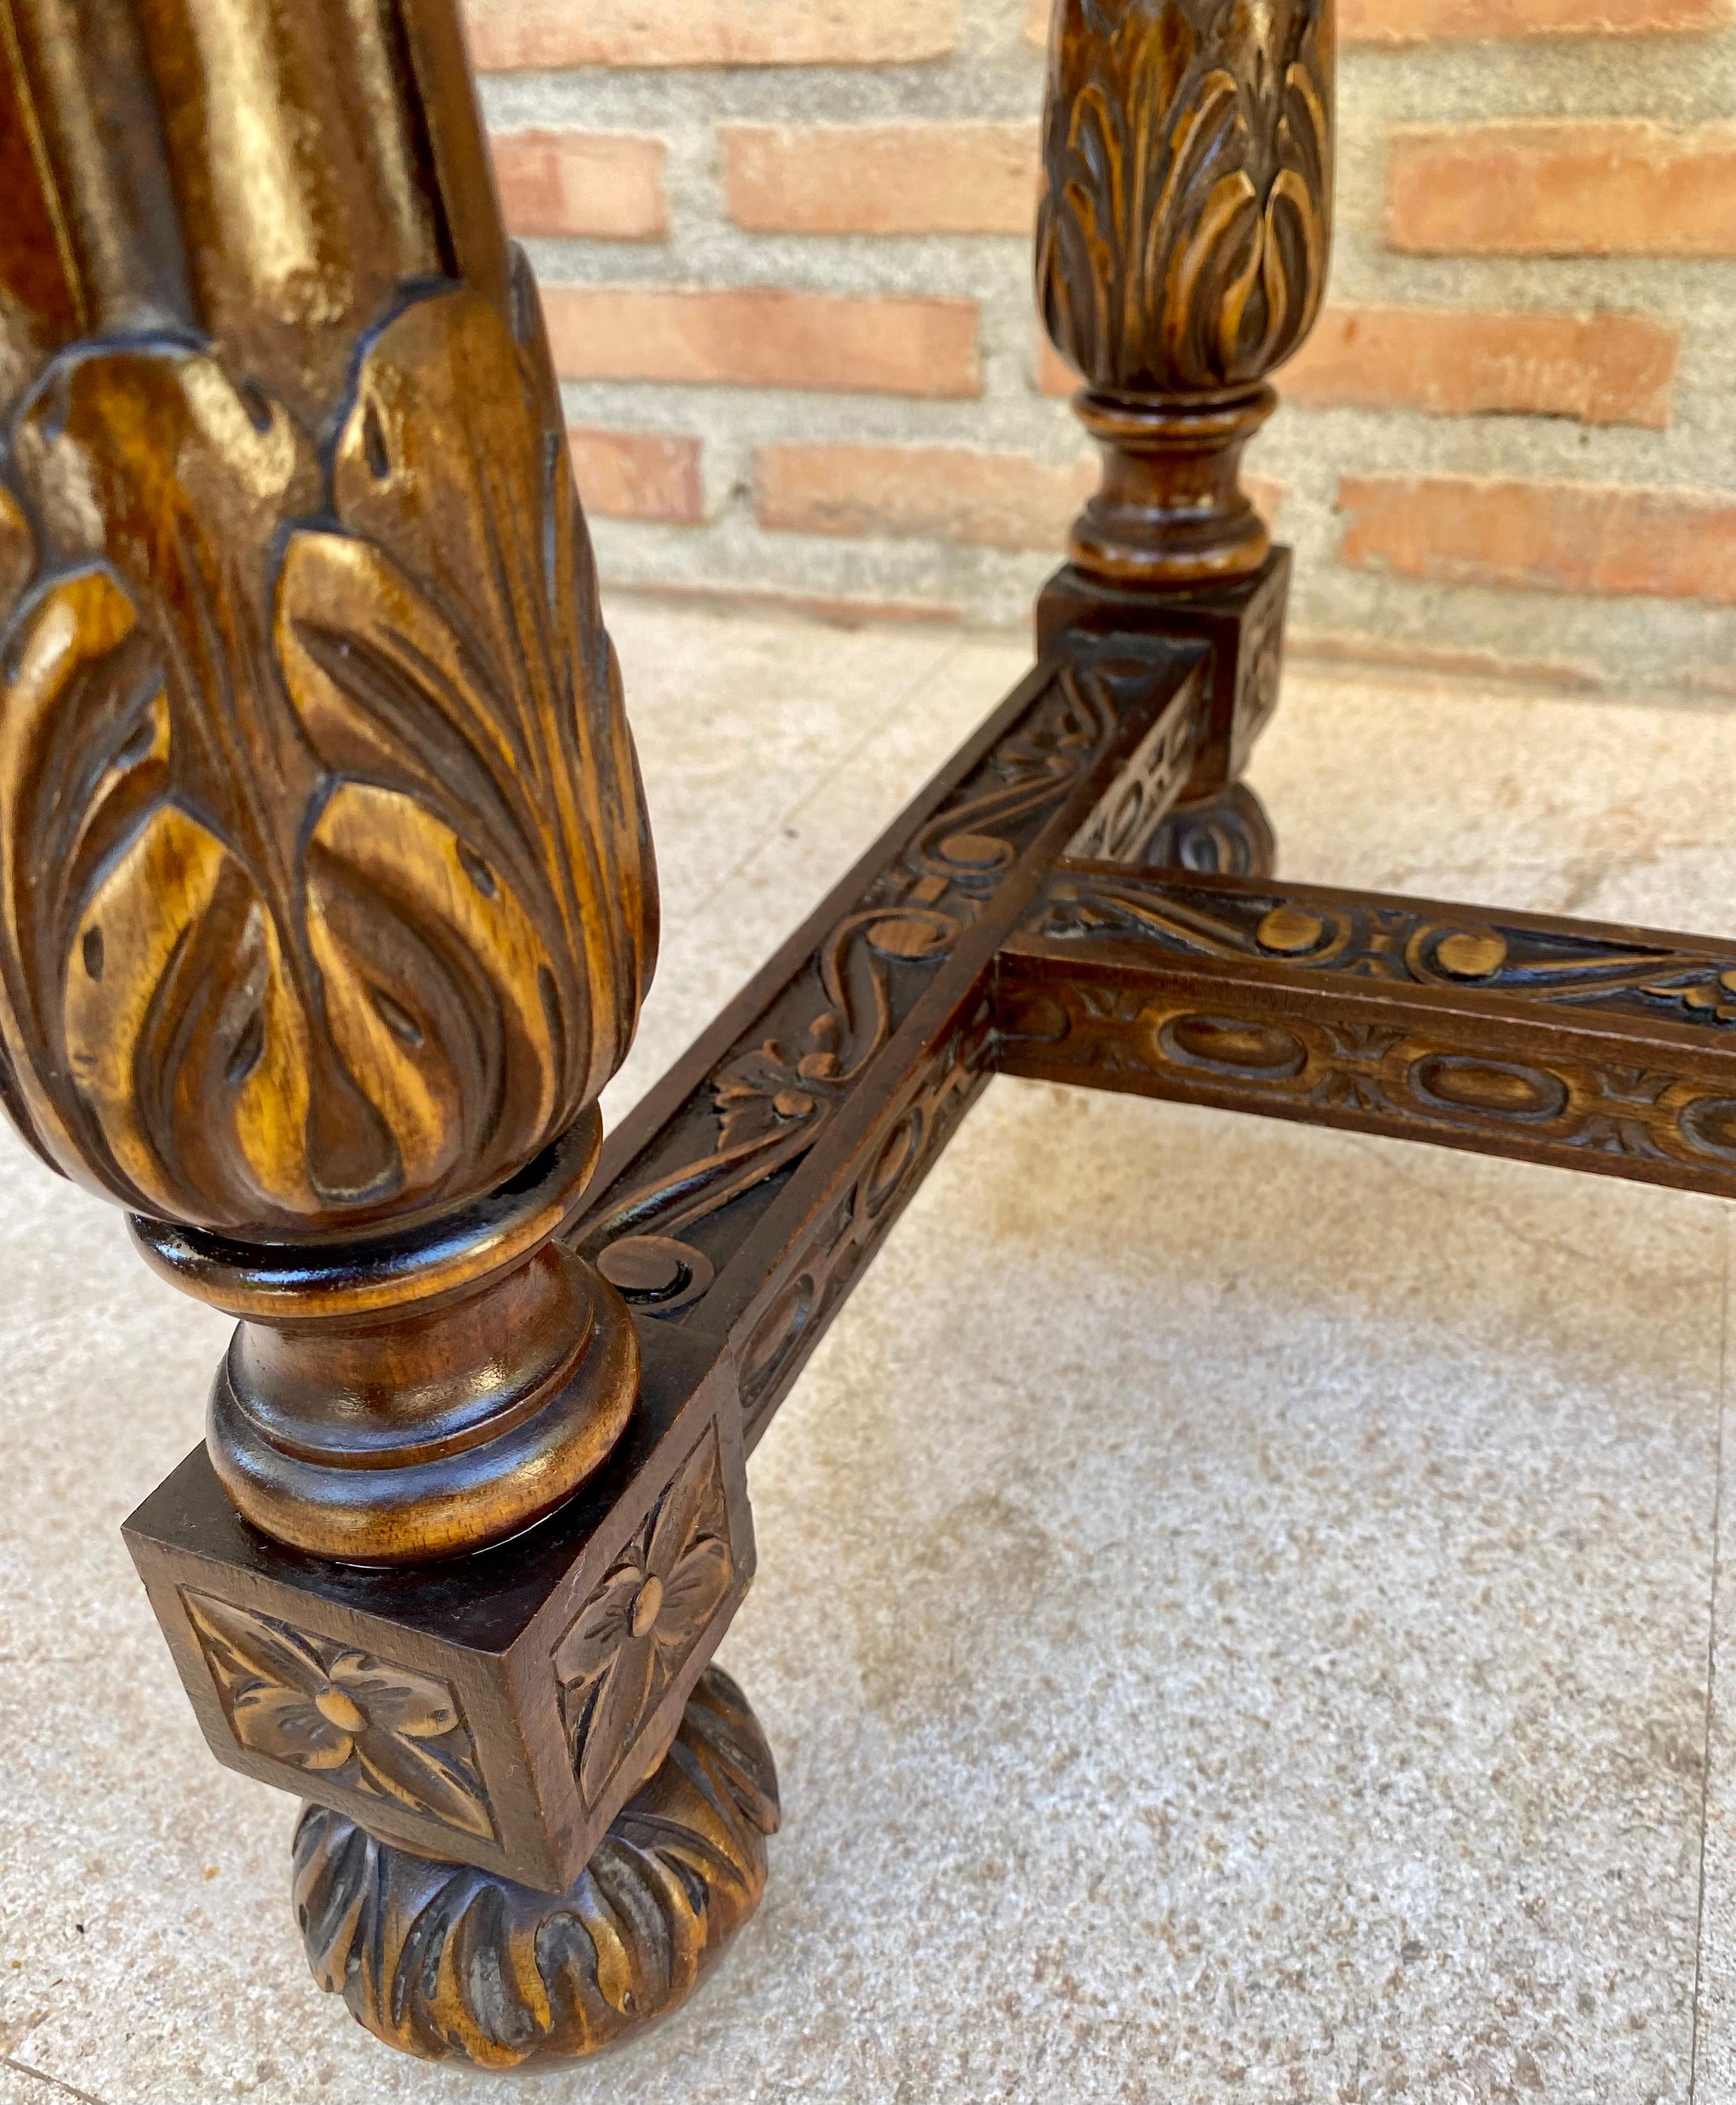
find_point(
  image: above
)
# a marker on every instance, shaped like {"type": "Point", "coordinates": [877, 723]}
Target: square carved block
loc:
{"type": "Point", "coordinates": [1244, 624]}
{"type": "Point", "coordinates": [498, 1710]}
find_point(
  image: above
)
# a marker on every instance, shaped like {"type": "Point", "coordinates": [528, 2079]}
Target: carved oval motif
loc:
{"type": "Point", "coordinates": [1233, 1045]}
{"type": "Point", "coordinates": [898, 1153]}
{"type": "Point", "coordinates": [914, 937]}
{"type": "Point", "coordinates": [1492, 1089]}
{"type": "Point", "coordinates": [976, 855]}
{"type": "Point", "coordinates": [1121, 828]}
{"type": "Point", "coordinates": [775, 1336]}
{"type": "Point", "coordinates": [1472, 954]}
{"type": "Point", "coordinates": [1290, 930]}
{"type": "Point", "coordinates": [1709, 1125]}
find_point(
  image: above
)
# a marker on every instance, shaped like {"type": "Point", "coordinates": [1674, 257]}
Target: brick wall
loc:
{"type": "Point", "coordinates": [784, 251]}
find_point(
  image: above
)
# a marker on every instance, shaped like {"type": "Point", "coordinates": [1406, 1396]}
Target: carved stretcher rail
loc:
{"type": "Point", "coordinates": [1602, 1048]}
{"type": "Point", "coordinates": [742, 1197]}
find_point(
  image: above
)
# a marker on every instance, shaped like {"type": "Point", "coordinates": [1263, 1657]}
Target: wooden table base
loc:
{"type": "Point", "coordinates": [327, 905]}
{"type": "Point", "coordinates": [993, 929]}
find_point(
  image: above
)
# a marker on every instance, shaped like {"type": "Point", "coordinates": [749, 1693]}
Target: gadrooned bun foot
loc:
{"type": "Point", "coordinates": [452, 1963]}
{"type": "Point", "coordinates": [1223, 833]}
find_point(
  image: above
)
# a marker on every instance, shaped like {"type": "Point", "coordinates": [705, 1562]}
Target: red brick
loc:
{"type": "Point", "coordinates": [1566, 537]}
{"type": "Point", "coordinates": [754, 337]}
{"type": "Point", "coordinates": [1461, 362]}
{"type": "Point", "coordinates": [1055, 376]}
{"type": "Point", "coordinates": [928, 494]}
{"type": "Point", "coordinates": [883, 178]}
{"type": "Point", "coordinates": [988, 500]}
{"type": "Point", "coordinates": [637, 475]}
{"type": "Point", "coordinates": [508, 36]}
{"type": "Point", "coordinates": [607, 184]}
{"type": "Point", "coordinates": [1562, 188]}
{"type": "Point", "coordinates": [1427, 21]}
{"type": "Point", "coordinates": [1447, 362]}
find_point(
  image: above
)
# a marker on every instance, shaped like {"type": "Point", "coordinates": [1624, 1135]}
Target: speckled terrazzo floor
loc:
{"type": "Point", "coordinates": [1241, 1614]}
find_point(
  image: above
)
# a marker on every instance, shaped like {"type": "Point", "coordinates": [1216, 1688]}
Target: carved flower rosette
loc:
{"type": "Point", "coordinates": [1186, 219]}
{"type": "Point", "coordinates": [642, 1625]}
{"type": "Point", "coordinates": [326, 896]}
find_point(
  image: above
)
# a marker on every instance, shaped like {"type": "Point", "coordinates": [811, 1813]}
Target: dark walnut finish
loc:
{"type": "Point", "coordinates": [327, 907]}
{"type": "Point", "coordinates": [739, 1201]}
{"type": "Point", "coordinates": [1609, 1049]}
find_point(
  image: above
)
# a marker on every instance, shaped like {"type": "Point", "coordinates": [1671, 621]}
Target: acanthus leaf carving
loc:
{"type": "Point", "coordinates": [353, 904]}
{"type": "Point", "coordinates": [1185, 224]}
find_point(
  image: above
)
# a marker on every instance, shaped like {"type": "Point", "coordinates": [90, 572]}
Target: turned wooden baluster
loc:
{"type": "Point", "coordinates": [1181, 251]}
{"type": "Point", "coordinates": [326, 899]}
{"type": "Point", "coordinates": [327, 907]}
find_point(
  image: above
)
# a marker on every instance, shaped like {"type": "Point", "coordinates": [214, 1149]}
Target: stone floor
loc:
{"type": "Point", "coordinates": [1239, 1612]}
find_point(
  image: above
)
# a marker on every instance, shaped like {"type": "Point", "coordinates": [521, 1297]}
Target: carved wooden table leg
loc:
{"type": "Point", "coordinates": [326, 909]}
{"type": "Point", "coordinates": [1182, 253]}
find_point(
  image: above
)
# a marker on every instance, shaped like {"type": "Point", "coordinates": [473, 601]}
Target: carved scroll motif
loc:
{"type": "Point", "coordinates": [840, 1242]}
{"type": "Point", "coordinates": [1186, 219]}
{"type": "Point", "coordinates": [326, 893]}
{"type": "Point", "coordinates": [774, 1099]}
{"type": "Point", "coordinates": [1594, 1047]}
{"type": "Point", "coordinates": [1421, 946]}
{"type": "Point", "coordinates": [1443, 1084]}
